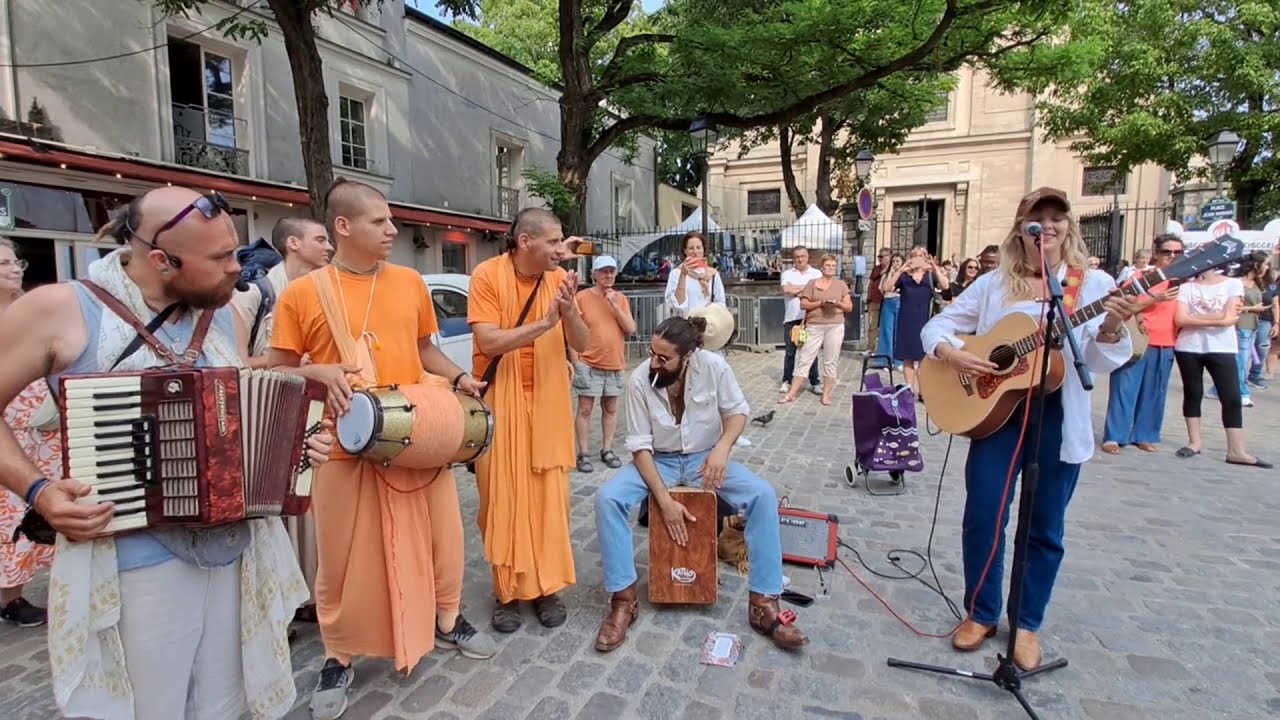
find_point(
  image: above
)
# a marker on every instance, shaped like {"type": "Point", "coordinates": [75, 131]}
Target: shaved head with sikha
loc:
{"type": "Point", "coordinates": [359, 219]}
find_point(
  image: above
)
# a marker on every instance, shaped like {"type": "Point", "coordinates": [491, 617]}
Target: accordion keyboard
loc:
{"type": "Point", "coordinates": [110, 446]}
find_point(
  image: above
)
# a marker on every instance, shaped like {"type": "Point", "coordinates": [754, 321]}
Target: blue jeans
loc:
{"type": "Point", "coordinates": [1136, 399]}
{"type": "Point", "coordinates": [1261, 341]}
{"type": "Point", "coordinates": [1244, 356]}
{"type": "Point", "coordinates": [888, 326]}
{"type": "Point", "coordinates": [789, 362]}
{"type": "Point", "coordinates": [742, 488]}
{"type": "Point", "coordinates": [985, 472]}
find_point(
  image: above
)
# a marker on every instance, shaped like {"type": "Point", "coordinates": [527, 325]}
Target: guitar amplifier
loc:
{"type": "Point", "coordinates": [808, 538]}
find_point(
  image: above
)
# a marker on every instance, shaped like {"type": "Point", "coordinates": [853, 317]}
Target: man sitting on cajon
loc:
{"type": "Point", "coordinates": [684, 412]}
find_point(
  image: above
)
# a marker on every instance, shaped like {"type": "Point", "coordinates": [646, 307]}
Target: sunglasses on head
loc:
{"type": "Point", "coordinates": [210, 205]}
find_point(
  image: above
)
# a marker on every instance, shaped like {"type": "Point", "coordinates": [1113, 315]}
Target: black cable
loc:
{"type": "Point", "coordinates": [895, 555]}
{"type": "Point", "coordinates": [117, 56]}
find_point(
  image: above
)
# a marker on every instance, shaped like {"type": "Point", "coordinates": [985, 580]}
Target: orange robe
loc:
{"type": "Point", "coordinates": [523, 481]}
{"type": "Point", "coordinates": [389, 540]}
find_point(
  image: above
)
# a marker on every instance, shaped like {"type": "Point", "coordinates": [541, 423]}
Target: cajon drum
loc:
{"type": "Point", "coordinates": [684, 575]}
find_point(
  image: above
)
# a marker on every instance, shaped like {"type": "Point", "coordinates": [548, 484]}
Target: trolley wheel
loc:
{"type": "Point", "coordinates": [897, 476]}
{"type": "Point", "coordinates": [851, 474]}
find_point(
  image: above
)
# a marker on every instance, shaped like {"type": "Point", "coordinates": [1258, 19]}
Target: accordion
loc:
{"type": "Point", "coordinates": [190, 446]}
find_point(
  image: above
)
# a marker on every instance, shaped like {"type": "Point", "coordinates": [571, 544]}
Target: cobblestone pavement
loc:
{"type": "Point", "coordinates": [1166, 606]}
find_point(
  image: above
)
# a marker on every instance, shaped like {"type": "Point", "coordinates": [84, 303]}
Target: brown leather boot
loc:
{"type": "Point", "coordinates": [1026, 650]}
{"type": "Point", "coordinates": [623, 611]}
{"type": "Point", "coordinates": [971, 636]}
{"type": "Point", "coordinates": [779, 626]}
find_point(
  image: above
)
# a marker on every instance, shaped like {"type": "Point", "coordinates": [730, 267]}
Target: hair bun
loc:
{"type": "Point", "coordinates": [699, 324]}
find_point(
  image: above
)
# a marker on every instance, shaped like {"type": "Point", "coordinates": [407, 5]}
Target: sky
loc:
{"type": "Point", "coordinates": [429, 7]}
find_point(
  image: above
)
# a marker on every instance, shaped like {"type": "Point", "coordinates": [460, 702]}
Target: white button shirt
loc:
{"type": "Point", "coordinates": [982, 305]}
{"type": "Point", "coordinates": [792, 276]}
{"type": "Point", "coordinates": [711, 393]}
{"type": "Point", "coordinates": [693, 297]}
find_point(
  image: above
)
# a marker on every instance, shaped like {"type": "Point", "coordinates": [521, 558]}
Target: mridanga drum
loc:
{"type": "Point", "coordinates": [685, 575]}
{"type": "Point", "coordinates": [420, 426]}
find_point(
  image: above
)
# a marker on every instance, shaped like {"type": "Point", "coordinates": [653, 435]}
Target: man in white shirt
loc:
{"type": "Point", "coordinates": [793, 282]}
{"type": "Point", "coordinates": [684, 411]}
{"type": "Point", "coordinates": [304, 246]}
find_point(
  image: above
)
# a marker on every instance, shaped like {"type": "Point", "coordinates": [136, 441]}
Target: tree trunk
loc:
{"type": "Point", "coordinates": [794, 197]}
{"type": "Point", "coordinates": [822, 190]}
{"type": "Point", "coordinates": [309, 94]}
{"type": "Point", "coordinates": [573, 162]}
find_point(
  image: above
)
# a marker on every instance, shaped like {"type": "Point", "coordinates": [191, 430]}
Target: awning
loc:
{"type": "Point", "coordinates": [37, 152]}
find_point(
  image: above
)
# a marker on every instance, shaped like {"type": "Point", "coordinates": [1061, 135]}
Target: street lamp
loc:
{"type": "Point", "coordinates": [704, 135]}
{"type": "Point", "coordinates": [1222, 151]}
{"type": "Point", "coordinates": [862, 163]}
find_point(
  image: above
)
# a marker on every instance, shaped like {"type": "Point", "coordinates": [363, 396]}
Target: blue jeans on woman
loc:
{"type": "Point", "coordinates": [1261, 341]}
{"type": "Point", "coordinates": [888, 326]}
{"type": "Point", "coordinates": [1136, 399]}
{"type": "Point", "coordinates": [985, 472]}
{"type": "Point", "coordinates": [1244, 356]}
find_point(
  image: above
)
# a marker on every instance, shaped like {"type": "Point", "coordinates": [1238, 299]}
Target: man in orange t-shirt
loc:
{"type": "Point", "coordinates": [523, 481]}
{"type": "Point", "coordinates": [390, 541]}
{"type": "Point", "coordinates": [1138, 391]}
{"type": "Point", "coordinates": [598, 369]}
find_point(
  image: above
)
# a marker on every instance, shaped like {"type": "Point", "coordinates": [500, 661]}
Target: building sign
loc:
{"type": "Point", "coordinates": [1219, 208]}
{"type": "Point", "coordinates": [6, 209]}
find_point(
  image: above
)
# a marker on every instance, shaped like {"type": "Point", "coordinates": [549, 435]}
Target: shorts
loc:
{"type": "Point", "coordinates": [593, 382]}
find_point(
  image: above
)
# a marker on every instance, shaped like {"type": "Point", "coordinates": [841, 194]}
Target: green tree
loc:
{"type": "Point", "coordinates": [1155, 80]}
{"type": "Point", "coordinates": [742, 63]}
{"type": "Point", "coordinates": [296, 20]}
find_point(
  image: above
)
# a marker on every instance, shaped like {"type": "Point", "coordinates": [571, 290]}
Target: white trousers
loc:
{"type": "Point", "coordinates": [827, 340]}
{"type": "Point", "coordinates": [180, 626]}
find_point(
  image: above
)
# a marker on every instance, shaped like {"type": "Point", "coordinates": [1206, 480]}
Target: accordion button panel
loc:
{"type": "Point", "coordinates": [108, 444]}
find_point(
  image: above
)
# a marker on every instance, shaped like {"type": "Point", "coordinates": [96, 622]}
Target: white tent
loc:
{"type": "Point", "coordinates": [815, 231]}
{"type": "Point", "coordinates": [632, 244]}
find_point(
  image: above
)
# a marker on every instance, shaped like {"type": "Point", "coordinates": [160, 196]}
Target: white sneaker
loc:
{"type": "Point", "coordinates": [785, 388]}
{"type": "Point", "coordinates": [1246, 402]}
{"type": "Point", "coordinates": [742, 442]}
{"type": "Point", "coordinates": [329, 699]}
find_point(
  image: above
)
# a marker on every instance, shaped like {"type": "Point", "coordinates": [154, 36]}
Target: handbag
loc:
{"type": "Point", "coordinates": [800, 333]}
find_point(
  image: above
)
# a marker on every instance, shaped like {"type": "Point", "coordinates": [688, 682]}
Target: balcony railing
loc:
{"type": "Point", "coordinates": [206, 139]}
{"type": "Point", "coordinates": [508, 202]}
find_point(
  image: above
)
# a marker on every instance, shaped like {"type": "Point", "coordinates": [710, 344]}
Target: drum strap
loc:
{"type": "Point", "coordinates": [350, 351]}
{"type": "Point", "coordinates": [491, 372]}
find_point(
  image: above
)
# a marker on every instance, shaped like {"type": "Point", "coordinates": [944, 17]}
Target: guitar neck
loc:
{"type": "Point", "coordinates": [1030, 343]}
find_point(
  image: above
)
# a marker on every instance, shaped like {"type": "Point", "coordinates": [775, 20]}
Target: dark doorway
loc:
{"type": "Point", "coordinates": [918, 222]}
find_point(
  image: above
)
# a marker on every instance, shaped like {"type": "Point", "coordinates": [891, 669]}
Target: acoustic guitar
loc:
{"type": "Point", "coordinates": [976, 406]}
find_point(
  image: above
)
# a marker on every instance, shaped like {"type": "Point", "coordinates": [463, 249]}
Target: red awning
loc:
{"type": "Point", "coordinates": [247, 189]}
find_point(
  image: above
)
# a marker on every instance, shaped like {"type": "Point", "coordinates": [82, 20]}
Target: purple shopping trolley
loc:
{"type": "Point", "coordinates": [885, 436]}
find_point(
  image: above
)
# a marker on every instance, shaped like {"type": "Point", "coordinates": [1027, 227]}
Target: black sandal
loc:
{"type": "Point", "coordinates": [550, 611]}
{"type": "Point", "coordinates": [611, 459]}
{"type": "Point", "coordinates": [1256, 463]}
{"type": "Point", "coordinates": [1186, 452]}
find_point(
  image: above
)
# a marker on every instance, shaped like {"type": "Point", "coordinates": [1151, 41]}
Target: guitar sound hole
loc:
{"type": "Point", "coordinates": [1004, 358]}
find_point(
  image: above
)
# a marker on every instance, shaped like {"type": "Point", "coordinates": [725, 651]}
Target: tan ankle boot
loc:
{"type": "Point", "coordinates": [971, 636]}
{"type": "Point", "coordinates": [1026, 650]}
{"type": "Point", "coordinates": [778, 626]}
{"type": "Point", "coordinates": [624, 608]}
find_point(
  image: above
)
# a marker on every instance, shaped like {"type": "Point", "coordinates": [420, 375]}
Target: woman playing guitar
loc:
{"type": "Point", "coordinates": [1016, 287]}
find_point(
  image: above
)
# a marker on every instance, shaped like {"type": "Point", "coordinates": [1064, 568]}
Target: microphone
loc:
{"type": "Point", "coordinates": [242, 285]}
{"type": "Point", "coordinates": [1035, 230]}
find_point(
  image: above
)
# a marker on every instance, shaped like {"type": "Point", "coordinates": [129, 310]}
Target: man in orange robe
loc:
{"type": "Point", "coordinates": [389, 582]}
{"type": "Point", "coordinates": [523, 481]}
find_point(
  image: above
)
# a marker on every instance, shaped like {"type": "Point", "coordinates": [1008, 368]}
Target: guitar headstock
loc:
{"type": "Point", "coordinates": [1222, 251]}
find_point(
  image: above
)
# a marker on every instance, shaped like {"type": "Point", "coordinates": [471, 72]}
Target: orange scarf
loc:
{"type": "Point", "coordinates": [552, 413]}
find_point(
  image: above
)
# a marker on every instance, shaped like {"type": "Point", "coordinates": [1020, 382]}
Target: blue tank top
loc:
{"type": "Point", "coordinates": [204, 547]}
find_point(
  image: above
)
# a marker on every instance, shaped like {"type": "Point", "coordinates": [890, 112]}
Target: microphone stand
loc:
{"type": "Point", "coordinates": [1007, 676]}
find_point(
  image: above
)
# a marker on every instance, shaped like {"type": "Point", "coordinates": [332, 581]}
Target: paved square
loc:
{"type": "Point", "coordinates": [1166, 606]}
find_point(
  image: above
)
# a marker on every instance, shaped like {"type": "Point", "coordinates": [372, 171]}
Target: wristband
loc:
{"type": "Point", "coordinates": [33, 492]}
{"type": "Point", "coordinates": [456, 379]}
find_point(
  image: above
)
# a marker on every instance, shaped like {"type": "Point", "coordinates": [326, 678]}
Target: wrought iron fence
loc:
{"type": "Point", "coordinates": [750, 251]}
{"type": "Point", "coordinates": [207, 139]}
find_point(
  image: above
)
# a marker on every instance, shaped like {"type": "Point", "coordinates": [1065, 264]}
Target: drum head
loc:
{"type": "Point", "coordinates": [357, 428]}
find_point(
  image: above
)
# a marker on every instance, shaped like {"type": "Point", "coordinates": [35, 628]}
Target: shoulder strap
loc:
{"type": "Point", "coordinates": [146, 333]}
{"type": "Point", "coordinates": [491, 372]}
{"type": "Point", "coordinates": [267, 302]}
{"type": "Point", "coordinates": [1071, 293]}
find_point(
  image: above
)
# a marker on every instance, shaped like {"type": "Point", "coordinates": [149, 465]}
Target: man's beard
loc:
{"type": "Point", "coordinates": [665, 378]}
{"type": "Point", "coordinates": [204, 299]}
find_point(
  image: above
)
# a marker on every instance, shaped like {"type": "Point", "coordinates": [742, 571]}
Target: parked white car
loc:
{"type": "Point", "coordinates": [449, 295]}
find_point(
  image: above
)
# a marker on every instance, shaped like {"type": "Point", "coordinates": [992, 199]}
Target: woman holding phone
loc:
{"type": "Point", "coordinates": [694, 283]}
